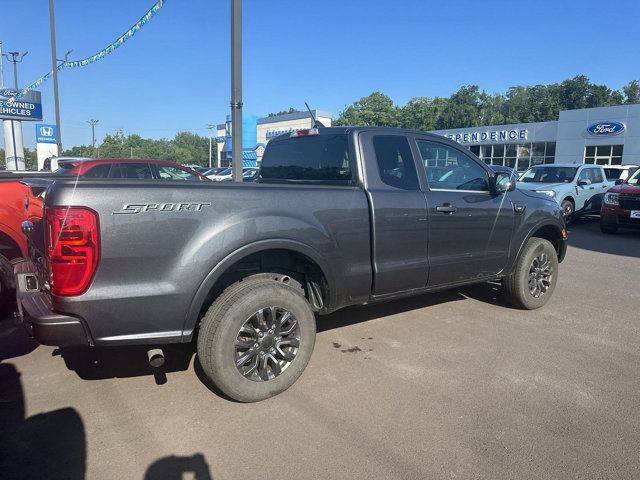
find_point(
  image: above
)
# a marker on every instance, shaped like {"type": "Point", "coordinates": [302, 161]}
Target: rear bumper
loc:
{"type": "Point", "coordinates": [36, 313]}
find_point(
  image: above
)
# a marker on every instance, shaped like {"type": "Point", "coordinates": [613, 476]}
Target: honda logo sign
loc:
{"type": "Point", "coordinates": [45, 133]}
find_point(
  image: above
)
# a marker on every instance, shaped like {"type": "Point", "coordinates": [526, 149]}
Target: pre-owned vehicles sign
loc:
{"type": "Point", "coordinates": [28, 107]}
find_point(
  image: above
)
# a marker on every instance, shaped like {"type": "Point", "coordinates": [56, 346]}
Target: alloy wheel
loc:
{"type": "Point", "coordinates": [540, 275]}
{"type": "Point", "coordinates": [266, 344]}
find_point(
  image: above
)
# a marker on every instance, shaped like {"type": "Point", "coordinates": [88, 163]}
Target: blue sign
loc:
{"type": "Point", "coordinates": [602, 129]}
{"type": "Point", "coordinates": [20, 110]}
{"type": "Point", "coordinates": [9, 92]}
{"type": "Point", "coordinates": [46, 133]}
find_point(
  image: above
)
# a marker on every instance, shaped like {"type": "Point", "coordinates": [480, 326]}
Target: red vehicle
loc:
{"type": "Point", "coordinates": [17, 203]}
{"type": "Point", "coordinates": [621, 205]}
{"type": "Point", "coordinates": [127, 168]}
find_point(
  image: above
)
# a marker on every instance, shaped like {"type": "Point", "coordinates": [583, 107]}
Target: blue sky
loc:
{"type": "Point", "coordinates": [174, 74]}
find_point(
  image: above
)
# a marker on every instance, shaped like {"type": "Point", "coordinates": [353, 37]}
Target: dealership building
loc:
{"type": "Point", "coordinates": [256, 132]}
{"type": "Point", "coordinates": [603, 135]}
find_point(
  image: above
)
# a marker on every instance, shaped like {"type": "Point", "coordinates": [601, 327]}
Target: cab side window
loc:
{"type": "Point", "coordinates": [99, 171]}
{"type": "Point", "coordinates": [131, 170]}
{"type": "Point", "coordinates": [585, 175]}
{"type": "Point", "coordinates": [596, 175]}
{"type": "Point", "coordinates": [395, 162]}
{"type": "Point", "coordinates": [450, 169]}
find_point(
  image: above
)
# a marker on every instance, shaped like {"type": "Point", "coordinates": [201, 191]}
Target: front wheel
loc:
{"type": "Point", "coordinates": [568, 211]}
{"type": "Point", "coordinates": [604, 228]}
{"type": "Point", "coordinates": [256, 339]}
{"type": "Point", "coordinates": [534, 277]}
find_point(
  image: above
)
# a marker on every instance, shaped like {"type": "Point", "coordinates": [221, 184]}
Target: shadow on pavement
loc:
{"type": "Point", "coordinates": [359, 314]}
{"type": "Point", "coordinates": [584, 233]}
{"type": "Point", "coordinates": [97, 363]}
{"type": "Point", "coordinates": [49, 445]}
{"type": "Point", "coordinates": [178, 468]}
{"type": "Point", "coordinates": [14, 341]}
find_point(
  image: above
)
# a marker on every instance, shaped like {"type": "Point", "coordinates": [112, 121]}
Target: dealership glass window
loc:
{"type": "Point", "coordinates": [520, 156]}
{"type": "Point", "coordinates": [603, 154]}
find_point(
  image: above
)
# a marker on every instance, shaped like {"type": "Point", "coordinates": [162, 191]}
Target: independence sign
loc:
{"type": "Point", "coordinates": [28, 107]}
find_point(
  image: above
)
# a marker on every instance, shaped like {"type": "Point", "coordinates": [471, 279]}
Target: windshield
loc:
{"type": "Point", "coordinates": [549, 175]}
{"type": "Point", "coordinates": [635, 178]}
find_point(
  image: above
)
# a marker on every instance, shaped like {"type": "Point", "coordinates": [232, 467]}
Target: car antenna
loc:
{"type": "Point", "coordinates": [316, 123]}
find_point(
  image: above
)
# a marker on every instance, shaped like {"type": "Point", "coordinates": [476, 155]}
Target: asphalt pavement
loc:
{"type": "Point", "coordinates": [452, 385]}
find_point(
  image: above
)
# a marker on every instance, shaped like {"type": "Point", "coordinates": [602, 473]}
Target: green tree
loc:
{"type": "Point", "coordinates": [632, 92]}
{"type": "Point", "coordinates": [462, 110]}
{"type": "Point", "coordinates": [376, 110]}
{"type": "Point", "coordinates": [282, 112]}
{"type": "Point", "coordinates": [421, 113]}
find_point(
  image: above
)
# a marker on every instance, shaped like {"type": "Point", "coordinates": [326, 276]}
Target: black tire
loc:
{"type": "Point", "coordinates": [7, 285]}
{"type": "Point", "coordinates": [220, 329]}
{"type": "Point", "coordinates": [604, 228]}
{"type": "Point", "coordinates": [568, 211]}
{"type": "Point", "coordinates": [526, 287]}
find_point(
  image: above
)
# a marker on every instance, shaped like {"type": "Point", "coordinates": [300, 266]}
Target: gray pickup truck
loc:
{"type": "Point", "coordinates": [338, 217]}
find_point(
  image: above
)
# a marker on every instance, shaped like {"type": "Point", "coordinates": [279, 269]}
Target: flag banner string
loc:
{"type": "Point", "coordinates": [99, 55]}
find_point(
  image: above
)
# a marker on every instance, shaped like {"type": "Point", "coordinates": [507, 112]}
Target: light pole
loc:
{"type": "Point", "coordinates": [210, 127]}
{"type": "Point", "coordinates": [236, 88]}
{"type": "Point", "coordinates": [15, 126]}
{"type": "Point", "coordinates": [54, 66]}
{"type": "Point", "coordinates": [93, 122]}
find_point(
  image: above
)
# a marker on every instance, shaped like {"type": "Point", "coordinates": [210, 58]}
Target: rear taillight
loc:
{"type": "Point", "coordinates": [73, 248]}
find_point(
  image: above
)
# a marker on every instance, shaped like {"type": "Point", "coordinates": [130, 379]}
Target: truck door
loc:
{"type": "Point", "coordinates": [470, 227]}
{"type": "Point", "coordinates": [398, 214]}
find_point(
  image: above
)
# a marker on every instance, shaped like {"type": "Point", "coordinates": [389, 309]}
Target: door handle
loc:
{"type": "Point", "coordinates": [592, 188]}
{"type": "Point", "coordinates": [446, 208]}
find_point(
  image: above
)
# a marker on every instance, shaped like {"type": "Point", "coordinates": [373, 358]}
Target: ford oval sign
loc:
{"type": "Point", "coordinates": [606, 128]}
{"type": "Point", "coordinates": [8, 92]}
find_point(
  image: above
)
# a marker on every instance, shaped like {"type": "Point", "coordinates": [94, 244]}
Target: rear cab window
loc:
{"type": "Point", "coordinates": [319, 158]}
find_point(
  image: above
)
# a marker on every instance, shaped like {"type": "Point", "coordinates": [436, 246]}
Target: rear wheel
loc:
{"type": "Point", "coordinates": [256, 339]}
{"type": "Point", "coordinates": [535, 275]}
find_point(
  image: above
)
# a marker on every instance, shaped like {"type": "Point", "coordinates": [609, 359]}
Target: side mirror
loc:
{"type": "Point", "coordinates": [583, 182]}
{"type": "Point", "coordinates": [619, 182]}
{"type": "Point", "coordinates": [504, 182]}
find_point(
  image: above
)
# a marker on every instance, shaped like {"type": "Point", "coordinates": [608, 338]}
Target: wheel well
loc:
{"type": "Point", "coordinates": [570, 198]}
{"type": "Point", "coordinates": [551, 233]}
{"type": "Point", "coordinates": [287, 263]}
{"type": "Point", "coordinates": [8, 247]}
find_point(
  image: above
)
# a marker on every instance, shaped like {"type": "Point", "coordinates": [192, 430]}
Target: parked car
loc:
{"type": "Point", "coordinates": [221, 175]}
{"type": "Point", "coordinates": [226, 175]}
{"type": "Point", "coordinates": [202, 170]}
{"type": "Point", "coordinates": [339, 216]}
{"type": "Point", "coordinates": [211, 172]}
{"type": "Point", "coordinates": [249, 174]}
{"type": "Point", "coordinates": [127, 168]}
{"type": "Point", "coordinates": [17, 203]}
{"type": "Point", "coordinates": [578, 188]}
{"type": "Point", "coordinates": [619, 172]}
{"type": "Point", "coordinates": [621, 206]}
